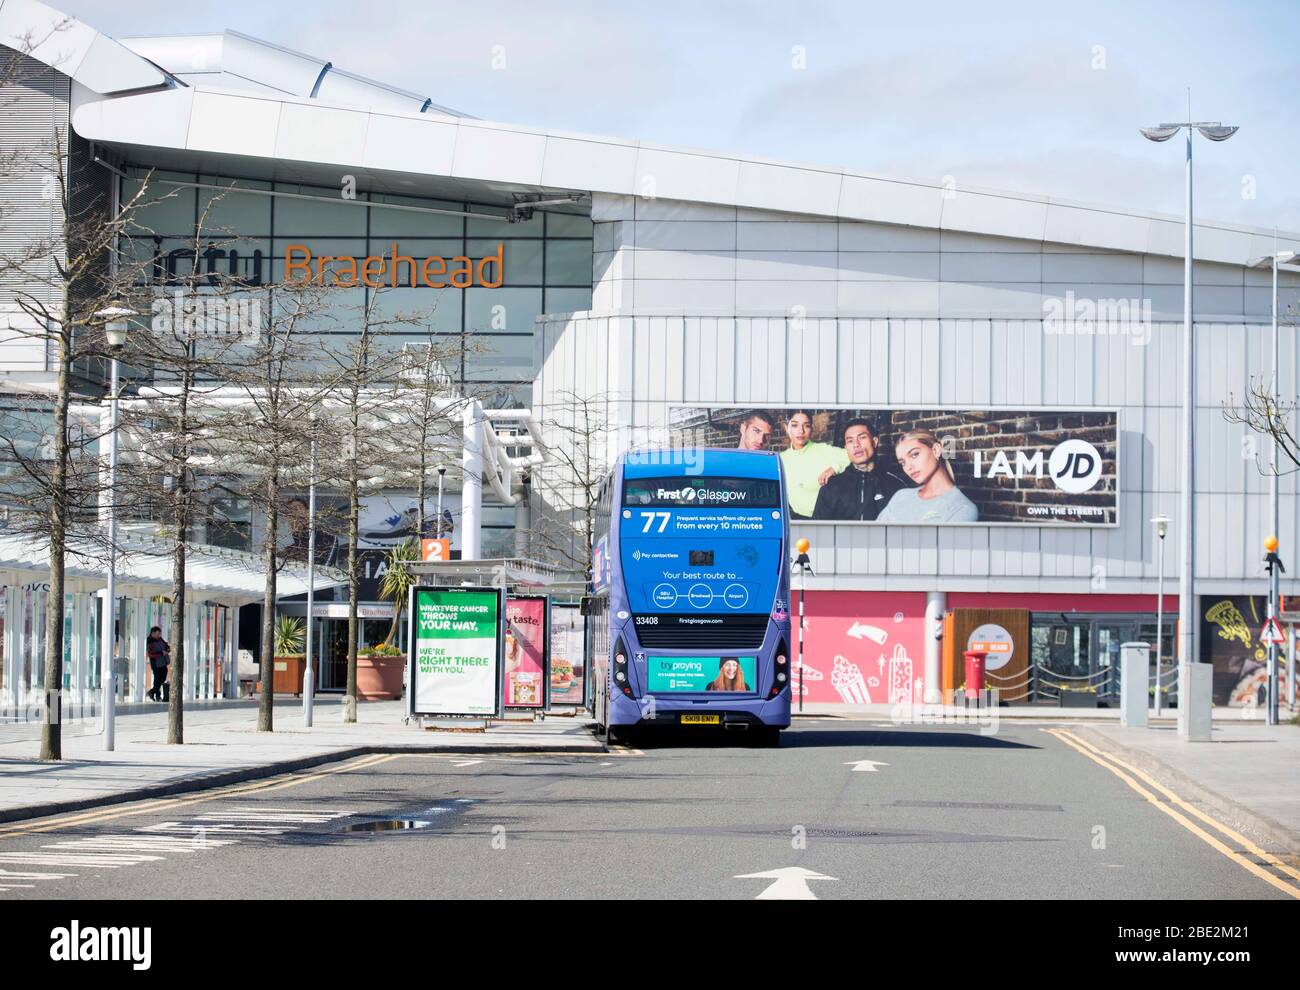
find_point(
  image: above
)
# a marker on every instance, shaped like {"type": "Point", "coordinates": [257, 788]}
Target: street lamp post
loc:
{"type": "Point", "coordinates": [1161, 524]}
{"type": "Point", "coordinates": [308, 672]}
{"type": "Point", "coordinates": [115, 328]}
{"type": "Point", "coordinates": [1214, 131]}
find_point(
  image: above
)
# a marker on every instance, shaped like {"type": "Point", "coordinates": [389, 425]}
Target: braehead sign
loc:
{"type": "Point", "coordinates": [375, 271]}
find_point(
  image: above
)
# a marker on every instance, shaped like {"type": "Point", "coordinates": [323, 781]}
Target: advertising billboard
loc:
{"type": "Point", "coordinates": [568, 666]}
{"type": "Point", "coordinates": [526, 651]}
{"type": "Point", "coordinates": [457, 649]}
{"type": "Point", "coordinates": [733, 673]}
{"type": "Point", "coordinates": [930, 465]}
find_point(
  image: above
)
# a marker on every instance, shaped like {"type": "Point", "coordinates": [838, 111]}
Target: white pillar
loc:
{"type": "Point", "coordinates": [471, 495]}
{"type": "Point", "coordinates": [936, 604]}
{"type": "Point", "coordinates": [135, 646]}
{"type": "Point", "coordinates": [232, 654]}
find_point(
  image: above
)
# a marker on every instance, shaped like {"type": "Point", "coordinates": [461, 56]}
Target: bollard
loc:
{"type": "Point", "coordinates": [1195, 701]}
{"type": "Point", "coordinates": [974, 682]}
{"type": "Point", "coordinates": [1134, 677]}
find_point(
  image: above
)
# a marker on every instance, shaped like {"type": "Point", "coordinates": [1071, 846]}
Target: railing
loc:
{"type": "Point", "coordinates": [1042, 684]}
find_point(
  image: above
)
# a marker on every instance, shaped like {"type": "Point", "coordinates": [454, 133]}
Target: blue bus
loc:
{"type": "Point", "coordinates": [690, 615]}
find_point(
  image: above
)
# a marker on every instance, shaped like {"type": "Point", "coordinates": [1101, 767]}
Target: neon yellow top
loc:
{"type": "Point", "coordinates": [802, 469]}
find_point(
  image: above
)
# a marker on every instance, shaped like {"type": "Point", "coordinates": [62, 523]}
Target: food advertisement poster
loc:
{"type": "Point", "coordinates": [526, 651]}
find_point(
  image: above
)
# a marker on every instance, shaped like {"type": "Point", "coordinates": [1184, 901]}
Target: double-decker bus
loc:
{"type": "Point", "coordinates": [690, 616]}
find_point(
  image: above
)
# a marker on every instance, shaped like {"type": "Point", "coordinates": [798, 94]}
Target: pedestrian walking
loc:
{"type": "Point", "coordinates": [160, 658]}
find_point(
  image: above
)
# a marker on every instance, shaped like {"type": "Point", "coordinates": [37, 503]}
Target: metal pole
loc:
{"type": "Point", "coordinates": [802, 577]}
{"type": "Point", "coordinates": [107, 684]}
{"type": "Point", "coordinates": [1187, 520]}
{"type": "Point", "coordinates": [1160, 617]}
{"type": "Point", "coordinates": [1274, 574]}
{"type": "Point", "coordinates": [1290, 666]}
{"type": "Point", "coordinates": [1274, 511]}
{"type": "Point", "coordinates": [437, 531]}
{"type": "Point", "coordinates": [308, 673]}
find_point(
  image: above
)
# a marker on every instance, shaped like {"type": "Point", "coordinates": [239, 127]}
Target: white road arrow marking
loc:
{"type": "Point", "coordinates": [789, 883]}
{"type": "Point", "coordinates": [466, 763]}
{"type": "Point", "coordinates": [865, 766]}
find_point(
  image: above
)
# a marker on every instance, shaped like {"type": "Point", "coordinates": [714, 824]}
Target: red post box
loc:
{"type": "Point", "coordinates": [974, 673]}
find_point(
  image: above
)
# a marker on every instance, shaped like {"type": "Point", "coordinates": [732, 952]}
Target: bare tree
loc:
{"type": "Point", "coordinates": [578, 429]}
{"type": "Point", "coordinates": [57, 287]}
{"type": "Point", "coordinates": [1263, 411]}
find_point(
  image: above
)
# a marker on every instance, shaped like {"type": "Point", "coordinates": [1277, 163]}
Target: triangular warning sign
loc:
{"type": "Point", "coordinates": [1271, 633]}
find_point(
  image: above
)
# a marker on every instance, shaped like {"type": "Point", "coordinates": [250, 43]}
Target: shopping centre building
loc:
{"type": "Point", "coordinates": [680, 296]}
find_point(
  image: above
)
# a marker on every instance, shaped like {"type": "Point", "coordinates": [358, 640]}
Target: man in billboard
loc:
{"type": "Point", "coordinates": [755, 431]}
{"type": "Point", "coordinates": [862, 489]}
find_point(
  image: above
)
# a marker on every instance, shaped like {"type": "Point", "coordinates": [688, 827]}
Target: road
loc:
{"type": "Point", "coordinates": [933, 812]}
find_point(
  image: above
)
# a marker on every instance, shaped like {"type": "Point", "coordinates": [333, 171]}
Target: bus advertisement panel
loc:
{"type": "Point", "coordinates": [456, 651]}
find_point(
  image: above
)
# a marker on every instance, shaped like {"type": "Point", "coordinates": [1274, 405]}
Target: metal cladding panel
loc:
{"type": "Point", "coordinates": [1013, 364]}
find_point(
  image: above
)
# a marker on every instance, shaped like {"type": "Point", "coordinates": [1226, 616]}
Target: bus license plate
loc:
{"type": "Point", "coordinates": [701, 720]}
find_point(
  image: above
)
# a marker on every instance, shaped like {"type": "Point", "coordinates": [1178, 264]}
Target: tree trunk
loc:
{"type": "Point", "coordinates": [264, 717]}
{"type": "Point", "coordinates": [181, 521]}
{"type": "Point", "coordinates": [51, 728]}
{"type": "Point", "coordinates": [354, 511]}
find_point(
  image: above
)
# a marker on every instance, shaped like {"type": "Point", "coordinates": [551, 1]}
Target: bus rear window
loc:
{"type": "Point", "coordinates": [753, 493]}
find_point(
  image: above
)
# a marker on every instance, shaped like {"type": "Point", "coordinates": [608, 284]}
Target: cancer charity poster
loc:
{"type": "Point", "coordinates": [525, 652]}
{"type": "Point", "coordinates": [456, 651]}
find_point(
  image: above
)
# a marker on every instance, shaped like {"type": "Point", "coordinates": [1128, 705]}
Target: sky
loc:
{"type": "Point", "coordinates": [1040, 97]}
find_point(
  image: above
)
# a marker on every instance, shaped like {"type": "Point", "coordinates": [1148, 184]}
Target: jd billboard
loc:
{"type": "Point", "coordinates": [930, 465]}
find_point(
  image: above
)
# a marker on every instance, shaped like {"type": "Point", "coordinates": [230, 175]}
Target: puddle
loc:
{"type": "Point", "coordinates": [387, 825]}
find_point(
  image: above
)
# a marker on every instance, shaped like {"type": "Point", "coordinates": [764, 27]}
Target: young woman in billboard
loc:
{"type": "Point", "coordinates": [730, 677]}
{"type": "Point", "coordinates": [808, 464]}
{"type": "Point", "coordinates": [936, 499]}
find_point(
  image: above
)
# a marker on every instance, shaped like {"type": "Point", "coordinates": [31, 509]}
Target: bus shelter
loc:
{"type": "Point", "coordinates": [540, 606]}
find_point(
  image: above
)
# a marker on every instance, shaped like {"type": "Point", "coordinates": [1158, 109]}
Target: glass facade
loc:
{"type": "Point", "coordinates": [547, 262]}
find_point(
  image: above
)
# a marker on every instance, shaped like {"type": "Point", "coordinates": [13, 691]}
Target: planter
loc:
{"type": "Point", "coordinates": [380, 678]}
{"type": "Point", "coordinates": [1078, 699]}
{"type": "Point", "coordinates": [286, 676]}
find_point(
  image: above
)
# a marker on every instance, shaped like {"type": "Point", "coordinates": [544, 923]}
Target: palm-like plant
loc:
{"type": "Point", "coordinates": [289, 635]}
{"type": "Point", "coordinates": [396, 585]}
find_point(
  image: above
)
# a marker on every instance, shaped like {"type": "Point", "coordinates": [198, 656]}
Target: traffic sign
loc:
{"type": "Point", "coordinates": [1271, 633]}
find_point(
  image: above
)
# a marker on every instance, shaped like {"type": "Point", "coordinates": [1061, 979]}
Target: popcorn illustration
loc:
{"type": "Point", "coordinates": [847, 680]}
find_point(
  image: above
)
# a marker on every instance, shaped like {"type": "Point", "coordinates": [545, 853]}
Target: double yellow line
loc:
{"type": "Point", "coordinates": [1131, 775]}
{"type": "Point", "coordinates": [164, 804]}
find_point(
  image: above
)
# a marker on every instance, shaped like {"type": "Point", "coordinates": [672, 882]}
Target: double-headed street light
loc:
{"type": "Point", "coordinates": [1214, 131]}
{"type": "Point", "coordinates": [115, 317]}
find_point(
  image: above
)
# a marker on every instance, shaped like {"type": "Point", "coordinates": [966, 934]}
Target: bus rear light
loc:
{"type": "Point", "coordinates": [620, 676]}
{"type": "Point", "coordinates": [780, 659]}
{"type": "Point", "coordinates": [780, 677]}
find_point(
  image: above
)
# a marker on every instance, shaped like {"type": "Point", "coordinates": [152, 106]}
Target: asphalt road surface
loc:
{"type": "Point", "coordinates": [842, 809]}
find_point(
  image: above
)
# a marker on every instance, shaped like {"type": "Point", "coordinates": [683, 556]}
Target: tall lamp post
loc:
{"type": "Point", "coordinates": [1161, 524]}
{"type": "Point", "coordinates": [308, 671]}
{"type": "Point", "coordinates": [1214, 131]}
{"type": "Point", "coordinates": [115, 328]}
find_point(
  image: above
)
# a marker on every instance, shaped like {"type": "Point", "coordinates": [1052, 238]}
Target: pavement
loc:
{"type": "Point", "coordinates": [223, 746]}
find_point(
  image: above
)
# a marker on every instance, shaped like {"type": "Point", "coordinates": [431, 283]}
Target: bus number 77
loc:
{"type": "Point", "coordinates": [650, 517]}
